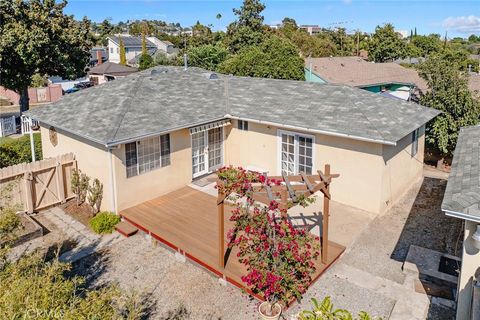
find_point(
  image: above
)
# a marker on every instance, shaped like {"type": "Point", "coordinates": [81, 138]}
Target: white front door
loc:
{"type": "Point", "coordinates": [207, 151]}
{"type": "Point", "coordinates": [199, 154]}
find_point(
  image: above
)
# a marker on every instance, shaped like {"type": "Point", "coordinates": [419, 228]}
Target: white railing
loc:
{"type": "Point", "coordinates": [7, 126]}
{"type": "Point", "coordinates": [26, 124]}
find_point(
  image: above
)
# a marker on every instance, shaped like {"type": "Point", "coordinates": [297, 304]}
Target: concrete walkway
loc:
{"type": "Point", "coordinates": [87, 241]}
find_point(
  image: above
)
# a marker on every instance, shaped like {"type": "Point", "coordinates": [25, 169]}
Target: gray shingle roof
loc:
{"type": "Point", "coordinates": [144, 103]}
{"type": "Point", "coordinates": [132, 41]}
{"type": "Point", "coordinates": [462, 195]}
{"type": "Point", "coordinates": [112, 68]}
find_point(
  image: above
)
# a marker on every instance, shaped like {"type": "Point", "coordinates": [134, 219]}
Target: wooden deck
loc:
{"type": "Point", "coordinates": [186, 221]}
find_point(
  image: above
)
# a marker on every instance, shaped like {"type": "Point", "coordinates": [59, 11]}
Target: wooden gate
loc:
{"type": "Point", "coordinates": [8, 126]}
{"type": "Point", "coordinates": [36, 185]}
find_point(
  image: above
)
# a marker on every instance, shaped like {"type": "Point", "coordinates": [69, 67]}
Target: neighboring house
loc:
{"type": "Point", "coordinates": [311, 29]}
{"type": "Point", "coordinates": [154, 131]}
{"type": "Point", "coordinates": [133, 47]}
{"type": "Point", "coordinates": [389, 78]}
{"type": "Point", "coordinates": [98, 55]}
{"type": "Point", "coordinates": [109, 71]}
{"type": "Point", "coordinates": [462, 200]}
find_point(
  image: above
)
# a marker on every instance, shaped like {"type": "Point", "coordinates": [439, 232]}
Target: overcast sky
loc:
{"type": "Point", "coordinates": [459, 18]}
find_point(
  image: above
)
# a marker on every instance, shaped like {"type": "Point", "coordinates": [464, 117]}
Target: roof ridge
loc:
{"type": "Point", "coordinates": [370, 121]}
{"type": "Point", "coordinates": [125, 108]}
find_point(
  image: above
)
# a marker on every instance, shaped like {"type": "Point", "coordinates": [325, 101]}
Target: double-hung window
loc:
{"type": "Point", "coordinates": [296, 153]}
{"type": "Point", "coordinates": [415, 142]}
{"type": "Point", "coordinates": [147, 155]}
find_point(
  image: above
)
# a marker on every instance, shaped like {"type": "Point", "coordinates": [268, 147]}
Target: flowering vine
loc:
{"type": "Point", "coordinates": [280, 258]}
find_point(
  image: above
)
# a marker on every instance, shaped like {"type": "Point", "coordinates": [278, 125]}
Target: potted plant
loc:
{"type": "Point", "coordinates": [280, 258]}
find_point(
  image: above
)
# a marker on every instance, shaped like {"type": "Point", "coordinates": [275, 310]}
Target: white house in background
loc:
{"type": "Point", "coordinates": [133, 47]}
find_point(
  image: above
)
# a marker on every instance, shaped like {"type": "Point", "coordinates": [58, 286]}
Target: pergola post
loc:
{"type": "Point", "coordinates": [221, 229]}
{"type": "Point", "coordinates": [326, 213]}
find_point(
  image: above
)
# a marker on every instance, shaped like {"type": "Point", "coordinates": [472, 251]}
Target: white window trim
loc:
{"type": "Point", "coordinates": [279, 149]}
{"type": "Point", "coordinates": [138, 164]}
{"type": "Point", "coordinates": [207, 159]}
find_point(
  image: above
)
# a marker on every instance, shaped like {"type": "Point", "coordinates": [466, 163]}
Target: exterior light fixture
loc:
{"type": "Point", "coordinates": [476, 237]}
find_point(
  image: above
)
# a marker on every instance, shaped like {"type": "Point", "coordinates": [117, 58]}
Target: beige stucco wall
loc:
{"type": "Point", "coordinates": [470, 270]}
{"type": "Point", "coordinates": [134, 190]}
{"type": "Point", "coordinates": [92, 159]}
{"type": "Point", "coordinates": [401, 170]}
{"type": "Point", "coordinates": [360, 164]}
{"type": "Point", "coordinates": [372, 176]}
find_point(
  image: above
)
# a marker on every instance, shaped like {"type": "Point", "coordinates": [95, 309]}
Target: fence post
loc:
{"type": "Point", "coordinates": [29, 205]}
{"type": "Point", "coordinates": [59, 179]}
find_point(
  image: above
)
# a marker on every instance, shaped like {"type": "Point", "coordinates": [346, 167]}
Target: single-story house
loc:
{"type": "Point", "coordinates": [386, 78]}
{"type": "Point", "coordinates": [154, 131]}
{"type": "Point", "coordinates": [109, 71]}
{"type": "Point", "coordinates": [462, 200]}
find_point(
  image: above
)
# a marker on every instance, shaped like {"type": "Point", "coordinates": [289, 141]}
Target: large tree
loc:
{"type": "Point", "coordinates": [386, 44]}
{"type": "Point", "coordinates": [275, 58]}
{"type": "Point", "coordinates": [449, 93]}
{"type": "Point", "coordinates": [207, 56]}
{"type": "Point", "coordinates": [247, 30]}
{"type": "Point", "coordinates": [37, 37]}
{"type": "Point", "coordinates": [427, 44]}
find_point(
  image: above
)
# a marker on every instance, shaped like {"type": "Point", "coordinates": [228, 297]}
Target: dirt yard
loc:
{"type": "Point", "coordinates": [367, 277]}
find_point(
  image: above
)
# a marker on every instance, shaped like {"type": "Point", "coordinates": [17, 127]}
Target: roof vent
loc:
{"type": "Point", "coordinates": [155, 72]}
{"type": "Point", "coordinates": [211, 75]}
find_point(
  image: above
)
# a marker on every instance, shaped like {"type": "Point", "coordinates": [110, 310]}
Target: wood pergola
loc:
{"type": "Point", "coordinates": [290, 192]}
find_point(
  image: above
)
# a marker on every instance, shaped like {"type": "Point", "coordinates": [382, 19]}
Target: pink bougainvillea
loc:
{"type": "Point", "coordinates": [279, 257]}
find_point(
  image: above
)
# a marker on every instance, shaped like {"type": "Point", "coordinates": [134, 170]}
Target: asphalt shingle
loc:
{"type": "Point", "coordinates": [168, 98]}
{"type": "Point", "coordinates": [462, 195]}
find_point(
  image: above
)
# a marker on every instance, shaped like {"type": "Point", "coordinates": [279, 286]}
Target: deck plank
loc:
{"type": "Point", "coordinates": [187, 219]}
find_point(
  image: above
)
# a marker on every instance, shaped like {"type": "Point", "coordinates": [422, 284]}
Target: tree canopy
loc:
{"type": "Point", "coordinates": [386, 45]}
{"type": "Point", "coordinates": [247, 30]}
{"type": "Point", "coordinates": [207, 56]}
{"type": "Point", "coordinates": [449, 93]}
{"type": "Point", "coordinates": [275, 58]}
{"type": "Point", "coordinates": [37, 37]}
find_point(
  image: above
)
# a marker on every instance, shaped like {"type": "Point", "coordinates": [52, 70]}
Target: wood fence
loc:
{"type": "Point", "coordinates": [39, 184]}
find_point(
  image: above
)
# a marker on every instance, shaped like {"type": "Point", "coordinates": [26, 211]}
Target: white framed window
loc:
{"type": "Point", "coordinates": [147, 155]}
{"type": "Point", "coordinates": [118, 50]}
{"type": "Point", "coordinates": [296, 152]}
{"type": "Point", "coordinates": [111, 50]}
{"type": "Point", "coordinates": [242, 125]}
{"type": "Point", "coordinates": [415, 134]}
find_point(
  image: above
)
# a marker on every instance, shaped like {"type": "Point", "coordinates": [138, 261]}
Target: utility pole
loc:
{"type": "Point", "coordinates": [358, 42]}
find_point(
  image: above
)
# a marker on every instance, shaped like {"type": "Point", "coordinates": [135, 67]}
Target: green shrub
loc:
{"type": "Point", "coordinates": [325, 311]}
{"type": "Point", "coordinates": [9, 222]}
{"type": "Point", "coordinates": [15, 151]}
{"type": "Point", "coordinates": [35, 289]}
{"type": "Point", "coordinates": [104, 222]}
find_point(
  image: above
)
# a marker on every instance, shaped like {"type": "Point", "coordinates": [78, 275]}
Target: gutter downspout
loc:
{"type": "Point", "coordinates": [112, 181]}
